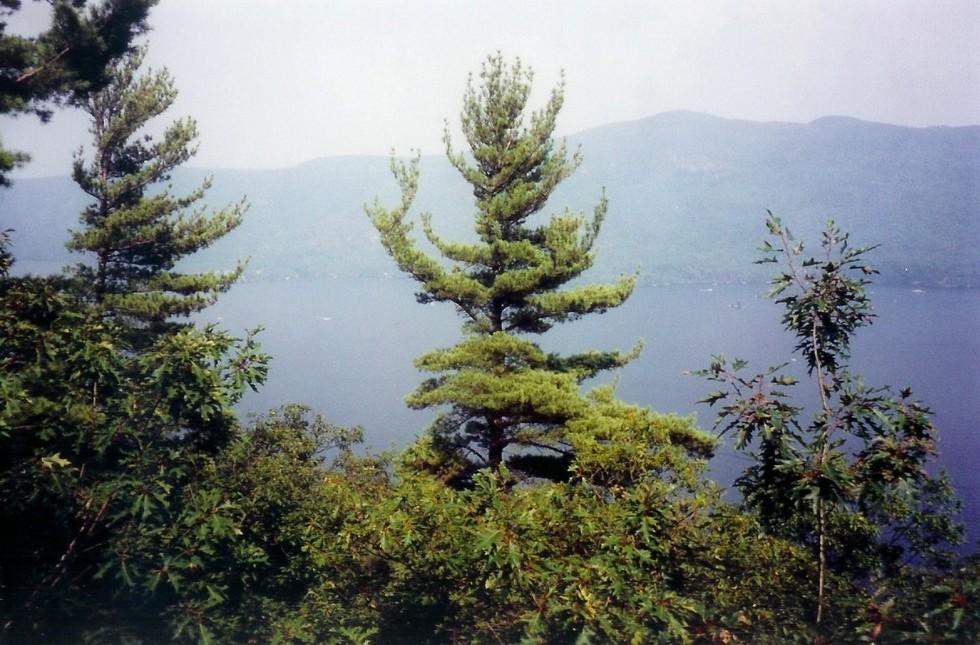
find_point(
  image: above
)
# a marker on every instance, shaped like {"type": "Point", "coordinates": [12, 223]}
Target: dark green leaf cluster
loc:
{"type": "Point", "coordinates": [103, 450]}
{"type": "Point", "coordinates": [823, 296]}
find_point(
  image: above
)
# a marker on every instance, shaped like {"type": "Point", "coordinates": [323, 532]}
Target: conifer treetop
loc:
{"type": "Point", "coordinates": [138, 238]}
{"type": "Point", "coordinates": [509, 280]}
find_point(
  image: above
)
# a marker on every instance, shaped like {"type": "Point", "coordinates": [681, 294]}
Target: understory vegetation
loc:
{"type": "Point", "coordinates": [139, 507]}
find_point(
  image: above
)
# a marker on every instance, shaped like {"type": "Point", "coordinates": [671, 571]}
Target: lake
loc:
{"type": "Point", "coordinates": [345, 347]}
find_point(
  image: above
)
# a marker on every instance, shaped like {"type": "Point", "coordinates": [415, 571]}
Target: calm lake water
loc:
{"type": "Point", "coordinates": [345, 347]}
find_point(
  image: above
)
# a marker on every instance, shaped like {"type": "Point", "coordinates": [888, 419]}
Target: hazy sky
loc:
{"type": "Point", "coordinates": [275, 83]}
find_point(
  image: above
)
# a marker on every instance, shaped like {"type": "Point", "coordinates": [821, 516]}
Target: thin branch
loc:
{"type": "Point", "coordinates": [821, 386]}
{"type": "Point", "coordinates": [477, 454]}
{"type": "Point", "coordinates": [535, 444]}
{"type": "Point", "coordinates": [37, 70]}
{"type": "Point", "coordinates": [789, 259]}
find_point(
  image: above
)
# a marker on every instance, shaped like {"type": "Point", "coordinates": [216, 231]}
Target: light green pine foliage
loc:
{"type": "Point", "coordinates": [502, 390]}
{"type": "Point", "coordinates": [138, 236]}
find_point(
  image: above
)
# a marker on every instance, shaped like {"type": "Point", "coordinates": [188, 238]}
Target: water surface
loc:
{"type": "Point", "coordinates": [346, 348]}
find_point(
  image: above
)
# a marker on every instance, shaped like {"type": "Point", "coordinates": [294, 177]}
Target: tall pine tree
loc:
{"type": "Point", "coordinates": [509, 401]}
{"type": "Point", "coordinates": [138, 236]}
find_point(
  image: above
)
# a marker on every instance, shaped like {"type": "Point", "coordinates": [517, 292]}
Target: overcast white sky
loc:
{"type": "Point", "coordinates": [275, 83]}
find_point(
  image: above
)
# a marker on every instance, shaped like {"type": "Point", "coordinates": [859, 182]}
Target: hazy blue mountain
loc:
{"type": "Point", "coordinates": [688, 194]}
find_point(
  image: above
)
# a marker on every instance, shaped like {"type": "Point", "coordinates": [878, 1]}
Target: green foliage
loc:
{"type": "Point", "coordinates": [65, 62]}
{"type": "Point", "coordinates": [103, 449]}
{"type": "Point", "coordinates": [274, 478]}
{"type": "Point", "coordinates": [633, 559]}
{"type": "Point", "coordinates": [137, 238]}
{"type": "Point", "coordinates": [8, 161]}
{"type": "Point", "coordinates": [6, 257]}
{"type": "Point", "coordinates": [503, 393]}
{"type": "Point", "coordinates": [853, 483]}
{"type": "Point", "coordinates": [154, 516]}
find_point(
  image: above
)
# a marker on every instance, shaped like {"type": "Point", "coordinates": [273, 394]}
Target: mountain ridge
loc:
{"type": "Point", "coordinates": [688, 193]}
{"type": "Point", "coordinates": [577, 133]}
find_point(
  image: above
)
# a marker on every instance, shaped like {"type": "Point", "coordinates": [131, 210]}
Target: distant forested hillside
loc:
{"type": "Point", "coordinates": [688, 193]}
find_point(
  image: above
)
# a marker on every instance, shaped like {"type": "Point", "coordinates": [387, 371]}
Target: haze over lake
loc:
{"type": "Point", "coordinates": [345, 346]}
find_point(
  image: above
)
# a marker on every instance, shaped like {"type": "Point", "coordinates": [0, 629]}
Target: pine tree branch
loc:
{"type": "Point", "coordinates": [46, 64]}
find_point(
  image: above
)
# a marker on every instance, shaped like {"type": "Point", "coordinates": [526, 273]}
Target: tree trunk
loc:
{"type": "Point", "coordinates": [822, 553]}
{"type": "Point", "coordinates": [497, 443]}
